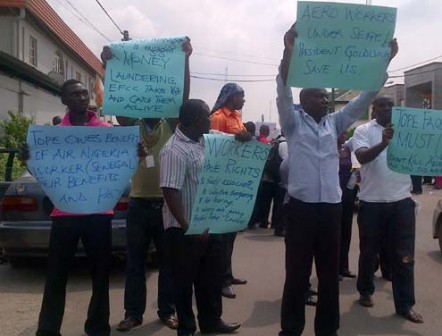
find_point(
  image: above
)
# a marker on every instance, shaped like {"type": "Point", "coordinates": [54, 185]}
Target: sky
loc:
{"type": "Point", "coordinates": [240, 40]}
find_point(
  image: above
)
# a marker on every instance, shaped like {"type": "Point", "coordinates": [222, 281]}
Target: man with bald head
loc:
{"type": "Point", "coordinates": [386, 214]}
{"type": "Point", "coordinates": [313, 226]}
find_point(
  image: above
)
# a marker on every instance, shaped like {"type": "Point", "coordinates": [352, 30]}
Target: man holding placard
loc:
{"type": "Point", "coordinates": [313, 228]}
{"type": "Point", "coordinates": [196, 259]}
{"type": "Point", "coordinates": [386, 212]}
{"type": "Point", "coordinates": [67, 228]}
{"type": "Point", "coordinates": [144, 219]}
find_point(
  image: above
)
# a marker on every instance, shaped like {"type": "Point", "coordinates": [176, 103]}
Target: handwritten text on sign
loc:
{"type": "Point", "coordinates": [341, 45]}
{"type": "Point", "coordinates": [416, 147]}
{"type": "Point", "coordinates": [145, 78]}
{"type": "Point", "coordinates": [229, 183]}
{"type": "Point", "coordinates": [83, 169]}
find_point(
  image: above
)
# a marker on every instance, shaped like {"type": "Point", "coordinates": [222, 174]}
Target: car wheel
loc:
{"type": "Point", "coordinates": [17, 262]}
{"type": "Point", "coordinates": [439, 235]}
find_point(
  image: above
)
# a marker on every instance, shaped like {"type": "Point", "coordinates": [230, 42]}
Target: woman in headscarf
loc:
{"type": "Point", "coordinates": [226, 118]}
{"type": "Point", "coordinates": [226, 115]}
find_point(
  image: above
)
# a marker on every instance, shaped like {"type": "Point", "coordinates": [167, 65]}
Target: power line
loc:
{"type": "Point", "coordinates": [98, 2]}
{"type": "Point", "coordinates": [236, 80]}
{"type": "Point", "coordinates": [230, 75]}
{"type": "Point", "coordinates": [235, 60]}
{"type": "Point", "coordinates": [413, 74]}
{"type": "Point", "coordinates": [234, 53]}
{"type": "Point", "coordinates": [420, 63]}
{"type": "Point", "coordinates": [82, 18]}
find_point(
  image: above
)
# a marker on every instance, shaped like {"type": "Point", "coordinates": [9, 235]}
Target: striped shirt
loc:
{"type": "Point", "coordinates": [181, 163]}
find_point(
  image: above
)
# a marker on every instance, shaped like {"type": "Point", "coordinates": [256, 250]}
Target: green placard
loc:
{"type": "Point", "coordinates": [341, 45]}
{"type": "Point", "coordinates": [416, 147]}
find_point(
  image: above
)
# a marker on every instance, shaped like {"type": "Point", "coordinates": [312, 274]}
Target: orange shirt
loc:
{"type": "Point", "coordinates": [226, 121]}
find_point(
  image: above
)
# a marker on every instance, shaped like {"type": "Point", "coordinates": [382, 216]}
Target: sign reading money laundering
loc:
{"type": "Point", "coordinates": [145, 78]}
{"type": "Point", "coordinates": [341, 45]}
{"type": "Point", "coordinates": [83, 169]}
{"type": "Point", "coordinates": [416, 147]}
{"type": "Point", "coordinates": [228, 185]}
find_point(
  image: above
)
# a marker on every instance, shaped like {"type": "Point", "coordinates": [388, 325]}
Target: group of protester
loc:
{"type": "Point", "coordinates": [313, 199]}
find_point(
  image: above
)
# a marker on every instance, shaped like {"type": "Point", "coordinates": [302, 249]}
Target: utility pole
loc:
{"type": "Point", "coordinates": [270, 110]}
{"type": "Point", "coordinates": [126, 36]}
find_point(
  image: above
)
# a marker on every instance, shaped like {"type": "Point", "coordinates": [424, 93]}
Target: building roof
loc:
{"type": "Point", "coordinates": [44, 13]}
{"type": "Point", "coordinates": [422, 67]}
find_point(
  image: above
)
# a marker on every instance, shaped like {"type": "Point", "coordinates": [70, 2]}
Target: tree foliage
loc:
{"type": "Point", "coordinates": [13, 132]}
{"type": "Point", "coordinates": [14, 129]}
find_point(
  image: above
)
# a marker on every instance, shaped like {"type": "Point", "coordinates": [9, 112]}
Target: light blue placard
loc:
{"type": "Point", "coordinates": [83, 169]}
{"type": "Point", "coordinates": [145, 78]}
{"type": "Point", "coordinates": [341, 45]}
{"type": "Point", "coordinates": [416, 147]}
{"type": "Point", "coordinates": [228, 185]}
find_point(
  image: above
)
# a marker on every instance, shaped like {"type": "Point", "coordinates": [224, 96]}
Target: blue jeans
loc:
{"type": "Point", "coordinates": [395, 222]}
{"type": "Point", "coordinates": [144, 224]}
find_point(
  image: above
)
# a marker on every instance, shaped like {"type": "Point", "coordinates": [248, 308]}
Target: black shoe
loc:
{"type": "Point", "coordinates": [310, 301]}
{"type": "Point", "coordinates": [366, 301]}
{"type": "Point", "coordinates": [279, 234]}
{"type": "Point", "coordinates": [129, 323]}
{"type": "Point", "coordinates": [228, 292]}
{"type": "Point", "coordinates": [347, 274]}
{"type": "Point", "coordinates": [221, 328]}
{"type": "Point", "coordinates": [412, 316]}
{"type": "Point", "coordinates": [236, 281]}
{"type": "Point", "coordinates": [170, 321]}
{"type": "Point", "coordinates": [386, 277]}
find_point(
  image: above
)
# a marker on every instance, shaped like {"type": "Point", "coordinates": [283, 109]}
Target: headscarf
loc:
{"type": "Point", "coordinates": [228, 90]}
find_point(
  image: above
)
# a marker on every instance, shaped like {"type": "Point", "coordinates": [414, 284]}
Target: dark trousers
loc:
{"type": "Point", "coordinates": [227, 244]}
{"type": "Point", "coordinates": [196, 263]}
{"type": "Point", "coordinates": [261, 210]}
{"type": "Point", "coordinates": [416, 183]}
{"type": "Point", "coordinates": [278, 219]}
{"type": "Point", "coordinates": [313, 230]}
{"type": "Point", "coordinates": [95, 234]}
{"type": "Point", "coordinates": [144, 224]}
{"type": "Point", "coordinates": [348, 197]}
{"type": "Point", "coordinates": [396, 222]}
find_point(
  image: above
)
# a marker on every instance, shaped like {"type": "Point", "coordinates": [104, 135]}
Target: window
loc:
{"type": "Point", "coordinates": [33, 50]}
{"type": "Point", "coordinates": [77, 75]}
{"type": "Point", "coordinates": [56, 66]}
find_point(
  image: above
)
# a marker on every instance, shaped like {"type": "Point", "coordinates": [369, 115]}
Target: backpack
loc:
{"type": "Point", "coordinates": [271, 167]}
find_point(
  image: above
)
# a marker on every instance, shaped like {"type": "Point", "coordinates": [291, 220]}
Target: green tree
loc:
{"type": "Point", "coordinates": [14, 129]}
{"type": "Point", "coordinates": [13, 133]}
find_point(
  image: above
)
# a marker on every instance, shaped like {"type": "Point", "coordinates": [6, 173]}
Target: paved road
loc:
{"type": "Point", "coordinates": [259, 257]}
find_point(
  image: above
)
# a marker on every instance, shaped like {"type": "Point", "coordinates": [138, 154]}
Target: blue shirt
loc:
{"type": "Point", "coordinates": [312, 146]}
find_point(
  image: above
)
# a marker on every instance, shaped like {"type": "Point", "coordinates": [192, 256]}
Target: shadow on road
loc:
{"type": "Point", "coordinates": [436, 256]}
{"type": "Point", "coordinates": [359, 318]}
{"type": "Point", "coordinates": [264, 313]}
{"type": "Point", "coordinates": [30, 277]}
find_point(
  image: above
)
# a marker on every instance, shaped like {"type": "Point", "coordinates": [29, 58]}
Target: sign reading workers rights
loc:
{"type": "Point", "coordinates": [83, 169]}
{"type": "Point", "coordinates": [416, 147]}
{"type": "Point", "coordinates": [145, 78]}
{"type": "Point", "coordinates": [228, 185]}
{"type": "Point", "coordinates": [341, 45]}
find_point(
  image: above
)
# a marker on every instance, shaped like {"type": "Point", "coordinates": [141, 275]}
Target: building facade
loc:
{"type": "Point", "coordinates": [38, 52]}
{"type": "Point", "coordinates": [423, 86]}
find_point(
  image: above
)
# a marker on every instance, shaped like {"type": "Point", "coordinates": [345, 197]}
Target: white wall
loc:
{"type": "Point", "coordinates": [37, 102]}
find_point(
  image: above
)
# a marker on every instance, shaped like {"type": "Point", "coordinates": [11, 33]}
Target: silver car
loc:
{"type": "Point", "coordinates": [25, 221]}
{"type": "Point", "coordinates": [437, 223]}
